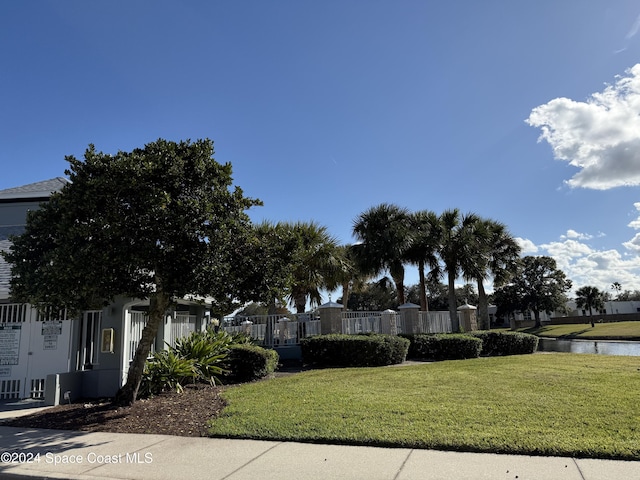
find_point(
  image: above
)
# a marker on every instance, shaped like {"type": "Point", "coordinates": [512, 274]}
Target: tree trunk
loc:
{"type": "Point", "coordinates": [158, 304]}
{"type": "Point", "coordinates": [398, 278]}
{"type": "Point", "coordinates": [301, 303]}
{"type": "Point", "coordinates": [536, 315]}
{"type": "Point", "coordinates": [423, 288]}
{"type": "Point", "coordinates": [453, 307]}
{"type": "Point", "coordinates": [345, 295]}
{"type": "Point", "coordinates": [483, 308]}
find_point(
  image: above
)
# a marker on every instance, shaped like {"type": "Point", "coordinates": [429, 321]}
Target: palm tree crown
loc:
{"type": "Point", "coordinates": [384, 235]}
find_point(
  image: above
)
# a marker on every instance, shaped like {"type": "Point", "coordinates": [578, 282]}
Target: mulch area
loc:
{"type": "Point", "coordinates": [184, 414]}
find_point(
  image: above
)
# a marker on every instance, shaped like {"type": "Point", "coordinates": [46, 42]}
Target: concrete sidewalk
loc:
{"type": "Point", "coordinates": [76, 455]}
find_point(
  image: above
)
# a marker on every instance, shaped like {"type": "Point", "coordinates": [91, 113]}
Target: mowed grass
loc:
{"type": "Point", "coordinates": [615, 330]}
{"type": "Point", "coordinates": [543, 404]}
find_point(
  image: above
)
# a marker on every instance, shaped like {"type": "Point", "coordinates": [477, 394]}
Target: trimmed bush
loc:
{"type": "Point", "coordinates": [506, 343]}
{"type": "Point", "coordinates": [446, 346]}
{"type": "Point", "coordinates": [196, 358]}
{"type": "Point", "coordinates": [166, 371]}
{"type": "Point", "coordinates": [354, 350]}
{"type": "Point", "coordinates": [247, 362]}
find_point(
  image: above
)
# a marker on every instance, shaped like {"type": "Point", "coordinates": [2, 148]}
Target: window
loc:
{"type": "Point", "coordinates": [89, 340]}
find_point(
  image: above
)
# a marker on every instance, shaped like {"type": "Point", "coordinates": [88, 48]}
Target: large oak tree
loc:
{"type": "Point", "coordinates": [159, 222]}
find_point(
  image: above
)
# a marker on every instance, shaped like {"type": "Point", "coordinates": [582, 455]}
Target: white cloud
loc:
{"type": "Point", "coordinates": [634, 29]}
{"type": "Point", "coordinates": [526, 246]}
{"type": "Point", "coordinates": [634, 243]}
{"type": "Point", "coordinates": [576, 235]}
{"type": "Point", "coordinates": [635, 224]}
{"type": "Point", "coordinates": [600, 136]}
{"type": "Point", "coordinates": [585, 266]}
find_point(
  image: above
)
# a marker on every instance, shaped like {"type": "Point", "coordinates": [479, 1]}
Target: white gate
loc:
{"type": "Point", "coordinates": [32, 346]}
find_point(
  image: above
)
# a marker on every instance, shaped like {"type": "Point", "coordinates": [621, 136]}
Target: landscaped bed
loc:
{"type": "Point", "coordinates": [545, 404]}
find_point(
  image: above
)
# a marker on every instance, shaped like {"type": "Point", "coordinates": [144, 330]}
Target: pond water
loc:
{"type": "Point", "coordinates": [603, 347]}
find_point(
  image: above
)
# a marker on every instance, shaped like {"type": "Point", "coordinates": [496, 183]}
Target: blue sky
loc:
{"type": "Point", "coordinates": [525, 112]}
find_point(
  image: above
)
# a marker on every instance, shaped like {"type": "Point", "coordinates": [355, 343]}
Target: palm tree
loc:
{"type": "Point", "coordinates": [425, 238]}
{"type": "Point", "coordinates": [496, 255]}
{"type": "Point", "coordinates": [590, 297]}
{"type": "Point", "coordinates": [349, 275]}
{"type": "Point", "coordinates": [384, 235]}
{"type": "Point", "coordinates": [458, 247]}
{"type": "Point", "coordinates": [617, 287]}
{"type": "Point", "coordinates": [316, 261]}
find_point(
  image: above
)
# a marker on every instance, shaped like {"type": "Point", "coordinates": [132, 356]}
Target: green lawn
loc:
{"type": "Point", "coordinates": [544, 404]}
{"type": "Point", "coordinates": [616, 330]}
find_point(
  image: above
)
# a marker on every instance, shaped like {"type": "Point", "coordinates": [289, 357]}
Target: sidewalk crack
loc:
{"type": "Point", "coordinates": [251, 461]}
{"type": "Point", "coordinates": [578, 467]}
{"type": "Point", "coordinates": [403, 464]}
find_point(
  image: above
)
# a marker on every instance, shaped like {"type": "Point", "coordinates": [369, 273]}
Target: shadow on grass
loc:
{"type": "Point", "coordinates": [541, 331]}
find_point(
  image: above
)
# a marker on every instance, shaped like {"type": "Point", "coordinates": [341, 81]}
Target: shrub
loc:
{"type": "Point", "coordinates": [448, 346]}
{"type": "Point", "coordinates": [247, 362]}
{"type": "Point", "coordinates": [198, 357]}
{"type": "Point", "coordinates": [166, 371]}
{"type": "Point", "coordinates": [506, 343]}
{"type": "Point", "coordinates": [207, 350]}
{"type": "Point", "coordinates": [337, 350]}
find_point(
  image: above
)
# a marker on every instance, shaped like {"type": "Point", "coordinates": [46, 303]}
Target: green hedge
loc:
{"type": "Point", "coordinates": [506, 343]}
{"type": "Point", "coordinates": [246, 362]}
{"type": "Point", "coordinates": [354, 350]}
{"type": "Point", "coordinates": [445, 346]}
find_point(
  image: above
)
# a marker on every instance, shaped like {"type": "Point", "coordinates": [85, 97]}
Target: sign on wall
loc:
{"type": "Point", "coordinates": [10, 344]}
{"type": "Point", "coordinates": [52, 328]}
{"type": "Point", "coordinates": [50, 342]}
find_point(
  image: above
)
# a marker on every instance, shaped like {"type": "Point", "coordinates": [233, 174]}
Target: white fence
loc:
{"type": "Point", "coordinates": [394, 322]}
{"type": "Point", "coordinates": [287, 330]}
{"type": "Point", "coordinates": [274, 330]}
{"type": "Point", "coordinates": [182, 325]}
{"type": "Point", "coordinates": [435, 322]}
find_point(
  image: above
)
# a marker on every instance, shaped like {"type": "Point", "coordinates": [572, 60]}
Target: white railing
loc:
{"type": "Point", "coordinates": [373, 322]}
{"type": "Point", "coordinates": [13, 312]}
{"type": "Point", "coordinates": [435, 322]}
{"type": "Point", "coordinates": [274, 330]}
{"type": "Point", "coordinates": [137, 324]}
{"type": "Point", "coordinates": [182, 325]}
{"type": "Point", "coordinates": [288, 329]}
{"type": "Point", "coordinates": [361, 322]}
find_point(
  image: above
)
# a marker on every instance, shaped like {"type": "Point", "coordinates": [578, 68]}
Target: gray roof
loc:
{"type": "Point", "coordinates": [42, 189]}
{"type": "Point", "coordinates": [5, 271]}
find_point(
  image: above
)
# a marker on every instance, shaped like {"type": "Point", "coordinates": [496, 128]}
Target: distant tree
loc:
{"type": "Point", "coordinates": [423, 247]}
{"type": "Point", "coordinates": [590, 297]}
{"type": "Point", "coordinates": [466, 294]}
{"type": "Point", "coordinates": [349, 275]}
{"type": "Point", "coordinates": [253, 308]}
{"type": "Point", "coordinates": [374, 296]}
{"type": "Point", "coordinates": [538, 285]}
{"type": "Point", "coordinates": [507, 301]}
{"type": "Point", "coordinates": [317, 263]}
{"type": "Point", "coordinates": [159, 222]}
{"type": "Point", "coordinates": [439, 296]}
{"type": "Point", "coordinates": [629, 295]}
{"type": "Point", "coordinates": [383, 233]}
{"type": "Point", "coordinates": [616, 287]}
